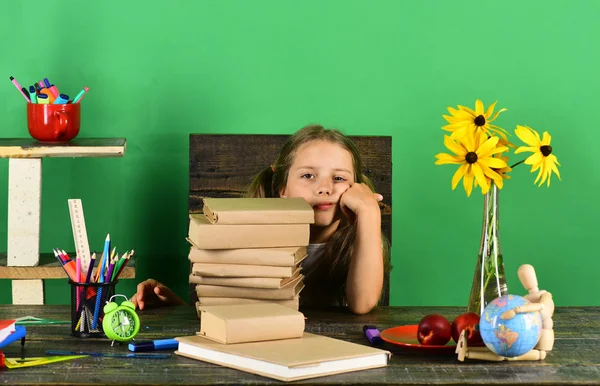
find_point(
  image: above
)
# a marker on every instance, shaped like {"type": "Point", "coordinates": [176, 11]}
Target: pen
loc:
{"type": "Point", "coordinates": [32, 94]}
{"type": "Point", "coordinates": [152, 345]}
{"type": "Point", "coordinates": [42, 99]}
{"type": "Point", "coordinates": [108, 354]}
{"type": "Point", "coordinates": [372, 334]}
{"type": "Point", "coordinates": [61, 100]}
{"type": "Point", "coordinates": [51, 97]}
{"type": "Point", "coordinates": [81, 94]}
{"type": "Point", "coordinates": [18, 86]}
{"type": "Point", "coordinates": [52, 88]}
{"type": "Point", "coordinates": [26, 93]}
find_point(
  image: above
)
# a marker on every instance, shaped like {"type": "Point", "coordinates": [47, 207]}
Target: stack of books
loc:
{"type": "Point", "coordinates": [249, 250]}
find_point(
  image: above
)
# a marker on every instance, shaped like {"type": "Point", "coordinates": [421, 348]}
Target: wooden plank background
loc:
{"type": "Point", "coordinates": [222, 165]}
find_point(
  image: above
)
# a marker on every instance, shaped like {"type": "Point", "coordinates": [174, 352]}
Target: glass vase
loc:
{"type": "Point", "coordinates": [489, 280]}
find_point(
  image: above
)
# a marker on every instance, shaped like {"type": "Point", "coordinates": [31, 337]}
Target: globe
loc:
{"type": "Point", "coordinates": [511, 337]}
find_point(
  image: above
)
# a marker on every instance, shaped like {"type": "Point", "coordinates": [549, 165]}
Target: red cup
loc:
{"type": "Point", "coordinates": [53, 123]}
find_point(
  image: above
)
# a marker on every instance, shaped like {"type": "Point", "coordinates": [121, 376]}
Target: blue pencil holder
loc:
{"type": "Point", "coordinates": [87, 307]}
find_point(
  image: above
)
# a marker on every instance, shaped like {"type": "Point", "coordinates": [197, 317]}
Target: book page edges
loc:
{"type": "Point", "coordinates": [274, 376]}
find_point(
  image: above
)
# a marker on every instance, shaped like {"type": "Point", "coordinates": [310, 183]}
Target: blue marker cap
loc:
{"type": "Point", "coordinates": [152, 345]}
{"type": "Point", "coordinates": [61, 100]}
{"type": "Point", "coordinates": [46, 82]}
{"type": "Point", "coordinates": [31, 89]}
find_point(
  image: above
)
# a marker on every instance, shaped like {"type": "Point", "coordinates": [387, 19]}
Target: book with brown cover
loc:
{"type": "Point", "coordinates": [249, 210]}
{"type": "Point", "coordinates": [230, 236]}
{"type": "Point", "coordinates": [239, 270]}
{"type": "Point", "coordinates": [241, 323]}
{"type": "Point", "coordinates": [252, 282]}
{"type": "Point", "coordinates": [286, 359]}
{"type": "Point", "coordinates": [290, 303]}
{"type": "Point", "coordinates": [289, 291]}
{"type": "Point", "coordinates": [280, 257]}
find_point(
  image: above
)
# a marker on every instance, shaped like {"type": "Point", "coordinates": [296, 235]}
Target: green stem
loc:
{"type": "Point", "coordinates": [518, 163]}
{"type": "Point", "coordinates": [489, 267]}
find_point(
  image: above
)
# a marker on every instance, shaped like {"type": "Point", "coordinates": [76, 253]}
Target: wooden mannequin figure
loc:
{"type": "Point", "coordinates": [540, 301]}
{"type": "Point", "coordinates": [528, 278]}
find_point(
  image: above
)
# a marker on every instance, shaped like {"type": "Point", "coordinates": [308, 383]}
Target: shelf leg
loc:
{"type": "Point", "coordinates": [28, 292]}
{"type": "Point", "coordinates": [24, 209]}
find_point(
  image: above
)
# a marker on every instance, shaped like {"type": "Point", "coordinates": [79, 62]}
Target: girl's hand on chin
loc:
{"type": "Point", "coordinates": [359, 199]}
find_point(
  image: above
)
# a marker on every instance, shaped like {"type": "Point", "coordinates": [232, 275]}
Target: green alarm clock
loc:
{"type": "Point", "coordinates": [120, 322]}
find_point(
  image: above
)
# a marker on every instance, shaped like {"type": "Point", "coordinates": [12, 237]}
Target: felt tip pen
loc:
{"type": "Point", "coordinates": [32, 94]}
{"type": "Point", "coordinates": [54, 90]}
{"type": "Point", "coordinates": [41, 83]}
{"type": "Point", "coordinates": [81, 94]}
{"type": "Point", "coordinates": [61, 100]}
{"type": "Point", "coordinates": [51, 98]}
{"type": "Point", "coordinates": [42, 99]}
{"type": "Point", "coordinates": [153, 345]}
{"type": "Point", "coordinates": [26, 93]}
{"type": "Point", "coordinates": [46, 82]}
{"type": "Point", "coordinates": [372, 334]}
{"type": "Point", "coordinates": [18, 86]}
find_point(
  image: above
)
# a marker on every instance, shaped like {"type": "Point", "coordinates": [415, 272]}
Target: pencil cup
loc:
{"type": "Point", "coordinates": [53, 123]}
{"type": "Point", "coordinates": [87, 304]}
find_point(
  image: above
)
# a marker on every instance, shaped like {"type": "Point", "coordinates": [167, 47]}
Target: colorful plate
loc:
{"type": "Point", "coordinates": [406, 336]}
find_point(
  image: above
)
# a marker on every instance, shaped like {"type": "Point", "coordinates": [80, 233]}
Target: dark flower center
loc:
{"type": "Point", "coordinates": [480, 120]}
{"type": "Point", "coordinates": [471, 157]}
{"type": "Point", "coordinates": [546, 150]}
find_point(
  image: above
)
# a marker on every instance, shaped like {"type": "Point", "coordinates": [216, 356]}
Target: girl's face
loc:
{"type": "Point", "coordinates": [321, 172]}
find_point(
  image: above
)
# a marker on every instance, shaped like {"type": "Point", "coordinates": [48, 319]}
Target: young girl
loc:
{"type": "Point", "coordinates": [347, 255]}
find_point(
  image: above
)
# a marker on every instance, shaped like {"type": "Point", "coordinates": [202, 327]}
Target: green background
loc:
{"type": "Point", "coordinates": [158, 71]}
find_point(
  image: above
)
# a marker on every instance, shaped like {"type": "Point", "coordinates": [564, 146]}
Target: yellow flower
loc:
{"type": "Point", "coordinates": [464, 119]}
{"type": "Point", "coordinates": [475, 155]}
{"type": "Point", "coordinates": [502, 171]}
{"type": "Point", "coordinates": [542, 157]}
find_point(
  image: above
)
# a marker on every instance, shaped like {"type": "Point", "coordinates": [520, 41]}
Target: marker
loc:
{"type": "Point", "coordinates": [41, 83]}
{"type": "Point", "coordinates": [46, 82]}
{"type": "Point", "coordinates": [32, 94]}
{"type": "Point", "coordinates": [51, 98]}
{"type": "Point", "coordinates": [372, 334]}
{"type": "Point", "coordinates": [61, 100]}
{"type": "Point", "coordinates": [54, 90]}
{"type": "Point", "coordinates": [81, 94]}
{"type": "Point", "coordinates": [108, 354]}
{"type": "Point", "coordinates": [26, 93]}
{"type": "Point", "coordinates": [18, 86]}
{"type": "Point", "coordinates": [42, 99]}
{"type": "Point", "coordinates": [153, 345]}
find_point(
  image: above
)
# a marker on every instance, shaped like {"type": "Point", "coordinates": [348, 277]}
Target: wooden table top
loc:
{"type": "Point", "coordinates": [575, 358]}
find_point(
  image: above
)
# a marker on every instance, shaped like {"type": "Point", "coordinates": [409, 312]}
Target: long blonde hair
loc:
{"type": "Point", "coordinates": [326, 282]}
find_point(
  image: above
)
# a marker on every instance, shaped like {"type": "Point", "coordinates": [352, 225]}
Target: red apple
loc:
{"type": "Point", "coordinates": [469, 322]}
{"type": "Point", "coordinates": [434, 329]}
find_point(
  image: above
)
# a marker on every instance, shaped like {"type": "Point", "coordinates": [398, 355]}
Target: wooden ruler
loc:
{"type": "Point", "coordinates": [80, 233]}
